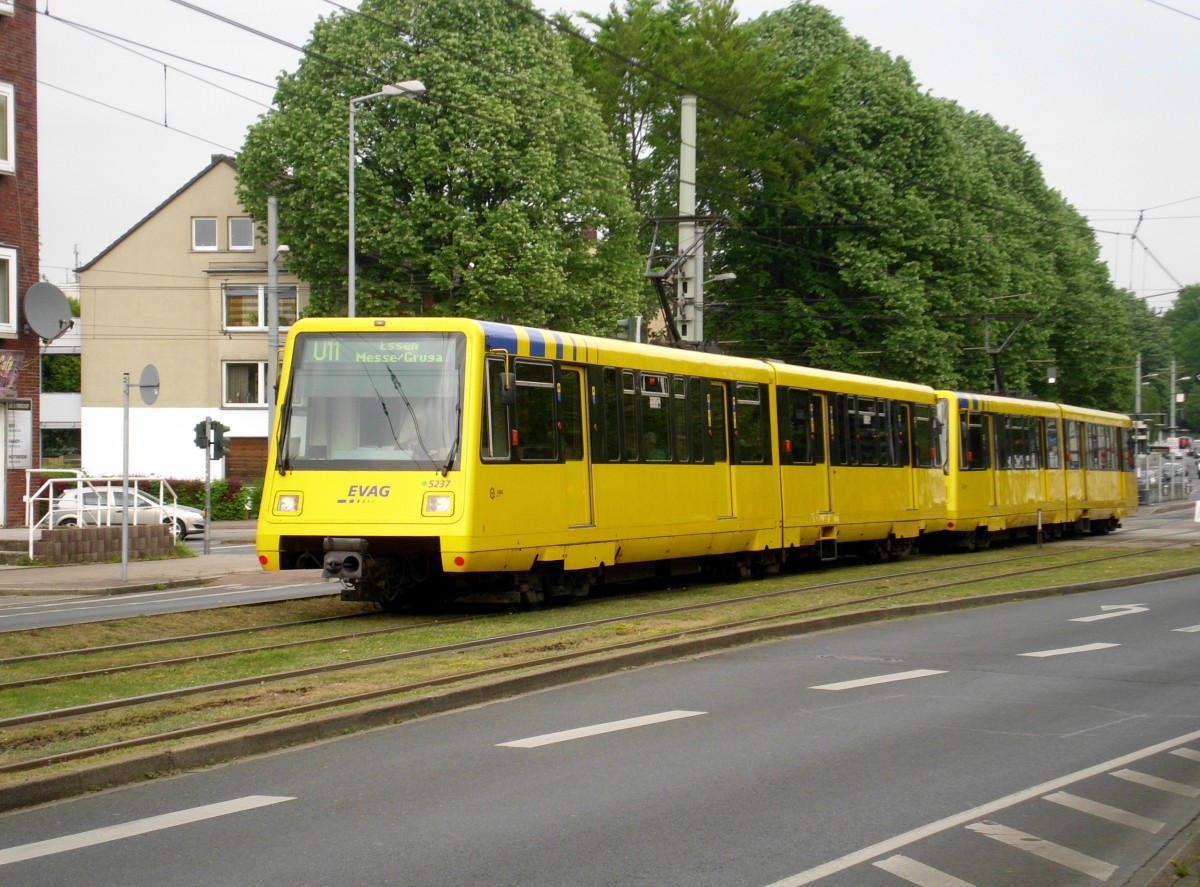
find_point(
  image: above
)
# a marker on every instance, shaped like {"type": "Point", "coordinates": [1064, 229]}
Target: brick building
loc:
{"type": "Point", "coordinates": [20, 352]}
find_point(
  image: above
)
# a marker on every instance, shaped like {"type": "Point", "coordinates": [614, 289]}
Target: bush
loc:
{"type": "Point", "coordinates": [229, 497]}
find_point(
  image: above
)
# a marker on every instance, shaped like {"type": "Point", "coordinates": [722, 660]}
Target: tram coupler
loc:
{"type": "Point", "coordinates": [343, 558]}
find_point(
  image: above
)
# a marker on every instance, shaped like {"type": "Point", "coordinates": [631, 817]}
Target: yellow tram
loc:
{"type": "Point", "coordinates": [1022, 465]}
{"type": "Point", "coordinates": [437, 457]}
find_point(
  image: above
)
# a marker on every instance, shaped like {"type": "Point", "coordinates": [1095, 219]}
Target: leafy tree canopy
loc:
{"type": "Point", "coordinates": [499, 196]}
{"type": "Point", "coordinates": [873, 227]}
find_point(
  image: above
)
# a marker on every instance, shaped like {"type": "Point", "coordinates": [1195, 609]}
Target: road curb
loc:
{"type": "Point", "coordinates": [206, 753]}
{"type": "Point", "coordinates": [109, 590]}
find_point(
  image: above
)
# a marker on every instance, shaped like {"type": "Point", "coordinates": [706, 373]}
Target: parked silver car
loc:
{"type": "Point", "coordinates": [102, 506]}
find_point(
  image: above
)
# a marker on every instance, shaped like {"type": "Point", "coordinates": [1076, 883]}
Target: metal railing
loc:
{"type": "Point", "coordinates": [53, 505]}
{"type": "Point", "coordinates": [1165, 477]}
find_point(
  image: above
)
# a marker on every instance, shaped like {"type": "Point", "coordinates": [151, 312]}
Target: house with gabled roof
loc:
{"type": "Point", "coordinates": [184, 290]}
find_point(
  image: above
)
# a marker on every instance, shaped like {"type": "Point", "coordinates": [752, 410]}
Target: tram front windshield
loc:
{"type": "Point", "coordinates": [381, 400]}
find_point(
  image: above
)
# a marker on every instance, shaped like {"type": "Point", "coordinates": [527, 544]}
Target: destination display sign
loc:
{"type": "Point", "coordinates": [379, 349]}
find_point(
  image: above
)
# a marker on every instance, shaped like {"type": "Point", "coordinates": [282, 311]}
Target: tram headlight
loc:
{"type": "Point", "coordinates": [287, 503]}
{"type": "Point", "coordinates": [438, 504]}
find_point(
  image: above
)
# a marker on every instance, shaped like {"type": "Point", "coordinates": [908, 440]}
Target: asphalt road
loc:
{"type": "Point", "coordinates": [1051, 742]}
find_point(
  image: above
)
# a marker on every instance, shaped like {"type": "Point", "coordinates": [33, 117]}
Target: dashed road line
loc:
{"type": "Point", "coordinates": [598, 729]}
{"type": "Point", "coordinates": [879, 679]}
{"type": "Point", "coordinates": [1066, 651]}
{"type": "Point", "coordinates": [137, 827]}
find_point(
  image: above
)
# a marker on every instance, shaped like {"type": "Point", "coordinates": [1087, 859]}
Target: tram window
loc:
{"type": "Point", "coordinates": [1128, 449]}
{"type": "Point", "coordinates": [1053, 445]}
{"type": "Point", "coordinates": [1034, 437]}
{"type": "Point", "coordinates": [679, 420]}
{"type": "Point", "coordinates": [925, 436]}
{"type": "Point", "coordinates": [899, 426]}
{"type": "Point", "coordinates": [697, 419]}
{"type": "Point", "coordinates": [1074, 445]}
{"type": "Point", "coordinates": [656, 417]}
{"type": "Point", "coordinates": [535, 426]}
{"type": "Point", "coordinates": [974, 441]}
{"type": "Point", "coordinates": [796, 419]}
{"type": "Point", "coordinates": [716, 421]}
{"type": "Point", "coordinates": [629, 428]}
{"type": "Point", "coordinates": [570, 413]}
{"type": "Point", "coordinates": [1017, 442]}
{"type": "Point", "coordinates": [867, 430]}
{"type": "Point", "coordinates": [494, 439]}
{"type": "Point", "coordinates": [1102, 445]}
{"type": "Point", "coordinates": [750, 423]}
{"type": "Point", "coordinates": [611, 420]}
{"type": "Point", "coordinates": [816, 410]}
{"type": "Point", "coordinates": [840, 450]}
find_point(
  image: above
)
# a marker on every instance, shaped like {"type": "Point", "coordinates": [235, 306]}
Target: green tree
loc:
{"type": "Point", "coordinates": [649, 54]}
{"type": "Point", "coordinates": [498, 197]}
{"type": "Point", "coordinates": [873, 227]}
{"type": "Point", "coordinates": [1182, 319]}
{"type": "Point", "coordinates": [61, 373]}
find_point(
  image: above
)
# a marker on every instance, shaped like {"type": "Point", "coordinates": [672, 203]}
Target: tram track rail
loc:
{"type": "Point", "coordinates": [520, 662]}
{"type": "Point", "coordinates": [84, 652]}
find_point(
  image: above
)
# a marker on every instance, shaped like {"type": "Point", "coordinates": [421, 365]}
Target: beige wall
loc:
{"type": "Point", "coordinates": [152, 299]}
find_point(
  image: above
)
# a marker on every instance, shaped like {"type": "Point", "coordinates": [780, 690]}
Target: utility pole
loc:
{"type": "Point", "coordinates": [689, 283]}
{"type": "Point", "coordinates": [1171, 407]}
{"type": "Point", "coordinates": [1137, 386]}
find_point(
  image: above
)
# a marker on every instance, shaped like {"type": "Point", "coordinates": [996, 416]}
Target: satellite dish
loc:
{"type": "Point", "coordinates": [47, 311]}
{"type": "Point", "coordinates": [148, 384]}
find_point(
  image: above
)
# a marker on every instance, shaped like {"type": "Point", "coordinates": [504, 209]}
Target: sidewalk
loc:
{"type": "Point", "coordinates": [139, 575]}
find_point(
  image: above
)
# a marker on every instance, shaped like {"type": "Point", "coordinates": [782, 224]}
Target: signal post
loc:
{"type": "Point", "coordinates": [210, 437]}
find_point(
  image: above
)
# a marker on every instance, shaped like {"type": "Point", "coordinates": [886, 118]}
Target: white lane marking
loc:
{"type": "Point", "coordinates": [918, 873]}
{"type": "Point", "coordinates": [598, 729]}
{"type": "Point", "coordinates": [1104, 811]}
{"type": "Point", "coordinates": [1112, 611]}
{"type": "Point", "coordinates": [880, 679]}
{"type": "Point", "coordinates": [1065, 856]}
{"type": "Point", "coordinates": [137, 827]}
{"type": "Point", "coordinates": [866, 854]}
{"type": "Point", "coordinates": [1164, 785]}
{"type": "Point", "coordinates": [1189, 628]}
{"type": "Point", "coordinates": [1190, 753]}
{"type": "Point", "coordinates": [1065, 651]}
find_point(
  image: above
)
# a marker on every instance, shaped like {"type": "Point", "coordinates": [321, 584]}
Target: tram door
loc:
{"type": "Point", "coordinates": [718, 412]}
{"type": "Point", "coordinates": [575, 442]}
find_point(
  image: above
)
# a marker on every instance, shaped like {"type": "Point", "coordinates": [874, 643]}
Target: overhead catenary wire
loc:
{"type": "Point", "coordinates": [748, 199]}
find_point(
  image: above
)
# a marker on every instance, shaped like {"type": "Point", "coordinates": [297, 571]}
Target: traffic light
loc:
{"type": "Point", "coordinates": [630, 329]}
{"type": "Point", "coordinates": [202, 435]}
{"type": "Point", "coordinates": [219, 443]}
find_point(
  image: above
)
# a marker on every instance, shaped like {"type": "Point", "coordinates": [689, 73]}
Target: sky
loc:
{"type": "Point", "coordinates": [1104, 93]}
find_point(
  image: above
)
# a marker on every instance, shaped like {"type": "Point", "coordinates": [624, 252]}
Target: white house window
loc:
{"type": "Point", "coordinates": [8, 129]}
{"type": "Point", "coordinates": [241, 233]}
{"type": "Point", "coordinates": [7, 7]}
{"type": "Point", "coordinates": [246, 307]}
{"type": "Point", "coordinates": [204, 234]}
{"type": "Point", "coordinates": [8, 290]}
{"type": "Point", "coordinates": [244, 384]}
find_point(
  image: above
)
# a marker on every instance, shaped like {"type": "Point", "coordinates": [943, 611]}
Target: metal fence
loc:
{"type": "Point", "coordinates": [1165, 477]}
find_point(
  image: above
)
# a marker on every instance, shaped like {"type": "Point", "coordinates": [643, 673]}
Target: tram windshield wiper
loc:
{"type": "Point", "coordinates": [454, 446]}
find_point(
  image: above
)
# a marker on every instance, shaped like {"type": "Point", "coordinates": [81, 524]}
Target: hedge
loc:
{"type": "Point", "coordinates": [229, 497]}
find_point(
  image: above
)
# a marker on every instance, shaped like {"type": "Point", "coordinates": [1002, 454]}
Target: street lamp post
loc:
{"type": "Point", "coordinates": [411, 88]}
